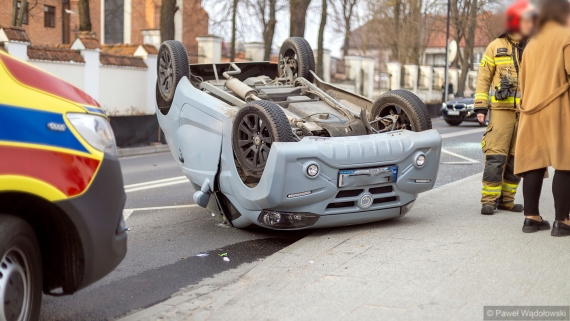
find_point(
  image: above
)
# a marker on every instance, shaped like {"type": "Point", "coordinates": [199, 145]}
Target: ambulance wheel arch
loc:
{"type": "Point", "coordinates": [60, 248]}
{"type": "Point", "coordinates": [21, 270]}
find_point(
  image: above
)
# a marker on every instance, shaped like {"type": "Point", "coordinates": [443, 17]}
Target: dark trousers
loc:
{"type": "Point", "coordinates": [532, 187]}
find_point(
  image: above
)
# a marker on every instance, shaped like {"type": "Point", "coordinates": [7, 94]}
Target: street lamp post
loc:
{"type": "Point", "coordinates": [446, 76]}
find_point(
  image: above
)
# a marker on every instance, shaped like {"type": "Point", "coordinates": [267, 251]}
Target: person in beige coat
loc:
{"type": "Point", "coordinates": [544, 126]}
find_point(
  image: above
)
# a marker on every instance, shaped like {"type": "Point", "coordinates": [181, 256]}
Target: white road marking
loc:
{"type": "Point", "coordinates": [470, 160]}
{"type": "Point", "coordinates": [174, 182]}
{"type": "Point", "coordinates": [155, 182]}
{"type": "Point", "coordinates": [128, 211]}
{"type": "Point", "coordinates": [463, 132]}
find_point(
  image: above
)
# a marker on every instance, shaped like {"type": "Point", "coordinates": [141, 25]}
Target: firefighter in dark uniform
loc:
{"type": "Point", "coordinates": [497, 82]}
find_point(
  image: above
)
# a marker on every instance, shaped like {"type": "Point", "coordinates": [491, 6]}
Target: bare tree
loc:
{"type": "Point", "coordinates": [468, 16]}
{"type": "Point", "coordinates": [298, 12]}
{"type": "Point", "coordinates": [167, 11]}
{"type": "Point", "coordinates": [84, 16]}
{"type": "Point", "coordinates": [320, 49]}
{"type": "Point", "coordinates": [234, 28]}
{"type": "Point", "coordinates": [343, 13]}
{"type": "Point", "coordinates": [18, 13]}
{"type": "Point", "coordinates": [266, 11]}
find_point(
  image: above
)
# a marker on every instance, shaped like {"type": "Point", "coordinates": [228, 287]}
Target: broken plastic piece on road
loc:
{"type": "Point", "coordinates": [213, 214]}
{"type": "Point", "coordinates": [311, 262]}
{"type": "Point", "coordinates": [202, 254]}
{"type": "Point", "coordinates": [227, 259]}
{"type": "Point", "coordinates": [223, 254]}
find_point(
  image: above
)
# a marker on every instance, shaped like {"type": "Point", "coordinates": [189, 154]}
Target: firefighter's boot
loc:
{"type": "Point", "coordinates": [488, 209]}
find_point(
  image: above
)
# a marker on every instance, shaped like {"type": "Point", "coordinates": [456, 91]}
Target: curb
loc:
{"type": "Point", "coordinates": [144, 150]}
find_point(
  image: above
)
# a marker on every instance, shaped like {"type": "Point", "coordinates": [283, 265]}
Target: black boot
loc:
{"type": "Point", "coordinates": [515, 208]}
{"type": "Point", "coordinates": [560, 229]}
{"type": "Point", "coordinates": [488, 209]}
{"type": "Point", "coordinates": [531, 226]}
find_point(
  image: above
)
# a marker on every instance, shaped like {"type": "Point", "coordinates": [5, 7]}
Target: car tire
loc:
{"type": "Point", "coordinates": [256, 126]}
{"type": "Point", "coordinates": [172, 65]}
{"type": "Point", "coordinates": [299, 49]}
{"type": "Point", "coordinates": [20, 270]}
{"type": "Point", "coordinates": [453, 122]}
{"type": "Point", "coordinates": [413, 113]}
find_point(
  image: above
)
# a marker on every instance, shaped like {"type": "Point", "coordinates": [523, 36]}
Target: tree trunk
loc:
{"type": "Point", "coordinates": [346, 37]}
{"type": "Point", "coordinates": [167, 11]}
{"type": "Point", "coordinates": [233, 44]}
{"type": "Point", "coordinates": [14, 9]}
{"type": "Point", "coordinates": [469, 43]}
{"type": "Point", "coordinates": [270, 30]}
{"type": "Point", "coordinates": [298, 9]}
{"type": "Point", "coordinates": [320, 49]}
{"type": "Point", "coordinates": [23, 9]}
{"type": "Point", "coordinates": [396, 45]}
{"type": "Point", "coordinates": [84, 16]}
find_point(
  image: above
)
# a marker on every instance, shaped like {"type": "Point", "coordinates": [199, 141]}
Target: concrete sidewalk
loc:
{"type": "Point", "coordinates": [443, 261]}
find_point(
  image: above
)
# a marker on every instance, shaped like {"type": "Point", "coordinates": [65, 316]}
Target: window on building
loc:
{"type": "Point", "coordinates": [25, 16]}
{"type": "Point", "coordinates": [114, 21]}
{"type": "Point", "coordinates": [49, 16]}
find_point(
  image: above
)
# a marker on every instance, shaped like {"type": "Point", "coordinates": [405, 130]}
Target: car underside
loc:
{"type": "Point", "coordinates": [246, 116]}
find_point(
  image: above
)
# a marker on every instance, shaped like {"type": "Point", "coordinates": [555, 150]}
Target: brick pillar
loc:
{"type": "Point", "coordinates": [92, 66]}
{"type": "Point", "coordinates": [209, 49]}
{"type": "Point", "coordinates": [395, 72]}
{"type": "Point", "coordinates": [354, 64]}
{"type": "Point", "coordinates": [254, 51]}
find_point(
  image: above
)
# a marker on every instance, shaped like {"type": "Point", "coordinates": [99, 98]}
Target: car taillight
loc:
{"type": "Point", "coordinates": [96, 130]}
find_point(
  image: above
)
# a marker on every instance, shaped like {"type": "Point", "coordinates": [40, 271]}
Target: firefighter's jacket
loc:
{"type": "Point", "coordinates": [496, 63]}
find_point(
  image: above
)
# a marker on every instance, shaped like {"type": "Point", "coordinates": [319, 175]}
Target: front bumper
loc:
{"type": "Point", "coordinates": [285, 187]}
{"type": "Point", "coordinates": [464, 115]}
{"type": "Point", "coordinates": [97, 215]}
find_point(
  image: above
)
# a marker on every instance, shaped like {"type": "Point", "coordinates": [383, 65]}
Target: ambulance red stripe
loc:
{"type": "Point", "coordinates": [69, 173]}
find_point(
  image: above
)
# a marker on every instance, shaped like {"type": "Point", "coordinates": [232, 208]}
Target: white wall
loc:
{"type": "Point", "coordinates": [123, 91]}
{"type": "Point", "coordinates": [73, 73]}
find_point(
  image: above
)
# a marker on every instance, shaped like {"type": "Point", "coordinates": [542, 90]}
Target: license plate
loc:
{"type": "Point", "coordinates": [367, 176]}
{"type": "Point", "coordinates": [453, 112]}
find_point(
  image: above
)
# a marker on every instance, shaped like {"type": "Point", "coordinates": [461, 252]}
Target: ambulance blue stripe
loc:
{"type": "Point", "coordinates": [24, 125]}
{"type": "Point", "coordinates": [94, 110]}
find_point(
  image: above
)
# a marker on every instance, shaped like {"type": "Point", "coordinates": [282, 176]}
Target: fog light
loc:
{"type": "Point", "coordinates": [312, 170]}
{"type": "Point", "coordinates": [281, 220]}
{"type": "Point", "coordinates": [420, 160]}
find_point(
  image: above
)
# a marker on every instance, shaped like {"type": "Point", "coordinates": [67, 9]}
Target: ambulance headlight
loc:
{"type": "Point", "coordinates": [96, 130]}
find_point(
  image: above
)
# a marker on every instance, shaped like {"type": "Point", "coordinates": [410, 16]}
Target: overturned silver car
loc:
{"type": "Point", "coordinates": [273, 145]}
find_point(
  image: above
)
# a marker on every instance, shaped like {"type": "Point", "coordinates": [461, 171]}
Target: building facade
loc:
{"type": "Point", "coordinates": [49, 22]}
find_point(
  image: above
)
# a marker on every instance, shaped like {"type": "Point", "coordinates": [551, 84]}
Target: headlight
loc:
{"type": "Point", "coordinates": [96, 130]}
{"type": "Point", "coordinates": [443, 106]}
{"type": "Point", "coordinates": [472, 106]}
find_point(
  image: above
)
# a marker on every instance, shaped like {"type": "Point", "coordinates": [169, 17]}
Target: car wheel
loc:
{"type": "Point", "coordinates": [453, 122]}
{"type": "Point", "coordinates": [20, 271]}
{"type": "Point", "coordinates": [297, 50]}
{"type": "Point", "coordinates": [172, 66]}
{"type": "Point", "coordinates": [256, 126]}
{"type": "Point", "coordinates": [411, 111]}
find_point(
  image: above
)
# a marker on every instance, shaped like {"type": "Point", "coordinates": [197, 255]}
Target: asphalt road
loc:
{"type": "Point", "coordinates": [168, 232]}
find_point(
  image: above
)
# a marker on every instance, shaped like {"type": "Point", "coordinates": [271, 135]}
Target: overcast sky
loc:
{"type": "Point", "coordinates": [250, 31]}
